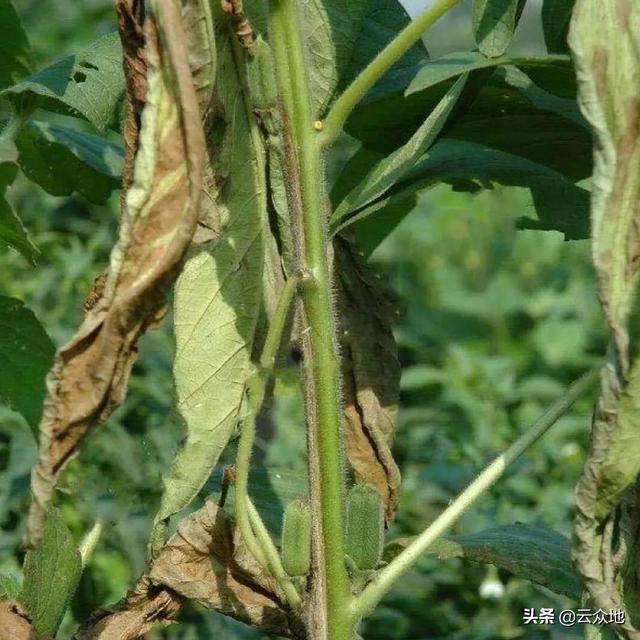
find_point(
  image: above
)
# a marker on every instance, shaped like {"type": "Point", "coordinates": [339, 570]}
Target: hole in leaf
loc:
{"type": "Point", "coordinates": [79, 77]}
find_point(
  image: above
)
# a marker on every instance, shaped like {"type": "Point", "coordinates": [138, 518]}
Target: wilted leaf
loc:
{"type": "Point", "coordinates": [217, 302]}
{"type": "Point", "coordinates": [27, 355]}
{"type": "Point", "coordinates": [556, 15]}
{"type": "Point", "coordinates": [90, 374]}
{"type": "Point", "coordinates": [12, 231]}
{"type": "Point", "coordinates": [605, 39]}
{"type": "Point", "coordinates": [51, 575]}
{"type": "Point", "coordinates": [89, 84]}
{"type": "Point", "coordinates": [204, 561]}
{"type": "Point", "coordinates": [606, 503]}
{"type": "Point", "coordinates": [14, 622]}
{"type": "Point", "coordinates": [392, 168]}
{"type": "Point", "coordinates": [16, 57]}
{"type": "Point", "coordinates": [144, 606]}
{"type": "Point", "coordinates": [131, 17]}
{"type": "Point", "coordinates": [529, 551]}
{"type": "Point", "coordinates": [494, 22]}
{"type": "Point", "coordinates": [371, 374]}
{"type": "Point", "coordinates": [198, 25]}
{"type": "Point", "coordinates": [63, 160]}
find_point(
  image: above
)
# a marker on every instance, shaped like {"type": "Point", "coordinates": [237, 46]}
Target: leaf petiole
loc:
{"type": "Point", "coordinates": [252, 529]}
{"type": "Point", "coordinates": [353, 94]}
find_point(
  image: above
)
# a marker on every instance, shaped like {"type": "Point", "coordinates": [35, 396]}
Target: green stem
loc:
{"type": "Point", "coordinates": [344, 105]}
{"type": "Point", "coordinates": [253, 531]}
{"type": "Point", "coordinates": [243, 461]}
{"type": "Point", "coordinates": [321, 355]}
{"type": "Point", "coordinates": [274, 563]}
{"type": "Point", "coordinates": [384, 581]}
{"type": "Point", "coordinates": [90, 542]}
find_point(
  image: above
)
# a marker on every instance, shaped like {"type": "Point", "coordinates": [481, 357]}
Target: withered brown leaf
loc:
{"type": "Point", "coordinates": [205, 560]}
{"type": "Point", "coordinates": [144, 606]}
{"type": "Point", "coordinates": [14, 623]}
{"type": "Point", "coordinates": [161, 205]}
{"type": "Point", "coordinates": [605, 41]}
{"type": "Point", "coordinates": [371, 374]}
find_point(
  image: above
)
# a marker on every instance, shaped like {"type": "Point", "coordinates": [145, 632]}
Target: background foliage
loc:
{"type": "Point", "coordinates": [492, 324]}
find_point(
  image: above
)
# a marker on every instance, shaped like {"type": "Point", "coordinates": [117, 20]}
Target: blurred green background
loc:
{"type": "Point", "coordinates": [493, 323]}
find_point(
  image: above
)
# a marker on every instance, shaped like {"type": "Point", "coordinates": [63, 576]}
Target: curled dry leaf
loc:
{"type": "Point", "coordinates": [144, 606]}
{"type": "Point", "coordinates": [371, 374]}
{"type": "Point", "coordinates": [131, 28]}
{"type": "Point", "coordinates": [206, 561]}
{"type": "Point", "coordinates": [90, 373]}
{"type": "Point", "coordinates": [605, 40]}
{"type": "Point", "coordinates": [14, 623]}
{"type": "Point", "coordinates": [241, 25]}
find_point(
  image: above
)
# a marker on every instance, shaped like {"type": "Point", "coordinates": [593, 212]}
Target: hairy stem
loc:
{"type": "Point", "coordinates": [344, 105]}
{"type": "Point", "coordinates": [274, 563]}
{"type": "Point", "coordinates": [252, 529]}
{"type": "Point", "coordinates": [324, 409]}
{"type": "Point", "coordinates": [384, 581]}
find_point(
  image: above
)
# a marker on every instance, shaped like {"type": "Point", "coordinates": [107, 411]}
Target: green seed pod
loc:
{"type": "Point", "coordinates": [365, 526]}
{"type": "Point", "coordinates": [261, 76]}
{"type": "Point", "coordinates": [296, 538]}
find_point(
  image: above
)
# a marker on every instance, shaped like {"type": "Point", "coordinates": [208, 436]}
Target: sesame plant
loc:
{"type": "Point", "coordinates": [218, 121]}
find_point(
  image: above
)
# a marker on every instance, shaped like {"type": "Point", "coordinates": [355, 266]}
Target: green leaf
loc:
{"type": "Point", "coordinates": [505, 119]}
{"type": "Point", "coordinates": [455, 64]}
{"type": "Point", "coordinates": [10, 586]}
{"type": "Point", "coordinates": [517, 119]}
{"type": "Point", "coordinates": [529, 551]}
{"type": "Point", "coordinates": [27, 355]}
{"type": "Point", "coordinates": [63, 160]}
{"type": "Point", "coordinates": [342, 36]}
{"type": "Point", "coordinates": [559, 204]}
{"type": "Point", "coordinates": [89, 84]}
{"type": "Point", "coordinates": [389, 170]}
{"type": "Point", "coordinates": [494, 22]}
{"type": "Point", "coordinates": [12, 231]}
{"type": "Point", "coordinates": [556, 15]}
{"type": "Point", "coordinates": [382, 21]}
{"type": "Point", "coordinates": [16, 57]}
{"type": "Point", "coordinates": [51, 575]}
{"type": "Point", "coordinates": [217, 302]}
{"type": "Point", "coordinates": [540, 98]}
